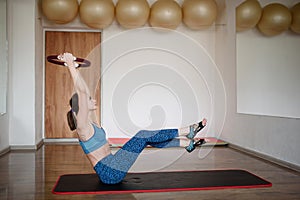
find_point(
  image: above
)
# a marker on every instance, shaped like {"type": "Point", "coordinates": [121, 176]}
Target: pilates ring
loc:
{"type": "Point", "coordinates": [80, 61]}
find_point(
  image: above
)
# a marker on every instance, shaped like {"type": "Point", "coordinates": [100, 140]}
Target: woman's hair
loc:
{"type": "Point", "coordinates": [74, 108]}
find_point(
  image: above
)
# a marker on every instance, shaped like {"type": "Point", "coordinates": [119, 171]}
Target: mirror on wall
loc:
{"type": "Point", "coordinates": [268, 69]}
{"type": "Point", "coordinates": [3, 57]}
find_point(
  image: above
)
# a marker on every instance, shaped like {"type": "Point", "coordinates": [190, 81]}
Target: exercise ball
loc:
{"type": "Point", "coordinates": [165, 14]}
{"type": "Point", "coordinates": [248, 15]}
{"type": "Point", "coordinates": [132, 13]}
{"type": "Point", "coordinates": [295, 26]}
{"type": "Point", "coordinates": [60, 11]}
{"type": "Point", "coordinates": [97, 13]}
{"type": "Point", "coordinates": [199, 14]}
{"type": "Point", "coordinates": [275, 19]}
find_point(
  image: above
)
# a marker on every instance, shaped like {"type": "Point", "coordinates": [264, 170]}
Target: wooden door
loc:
{"type": "Point", "coordinates": [58, 83]}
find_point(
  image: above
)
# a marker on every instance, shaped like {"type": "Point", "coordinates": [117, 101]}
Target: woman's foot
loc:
{"type": "Point", "coordinates": [195, 128]}
{"type": "Point", "coordinates": [193, 144]}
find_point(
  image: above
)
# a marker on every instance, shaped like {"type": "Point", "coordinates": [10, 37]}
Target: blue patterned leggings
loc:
{"type": "Point", "coordinates": [113, 168]}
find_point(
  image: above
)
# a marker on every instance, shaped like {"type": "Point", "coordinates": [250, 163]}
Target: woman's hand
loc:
{"type": "Point", "coordinates": [68, 58]}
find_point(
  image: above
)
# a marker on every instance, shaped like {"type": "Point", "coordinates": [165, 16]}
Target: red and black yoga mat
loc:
{"type": "Point", "coordinates": [160, 182]}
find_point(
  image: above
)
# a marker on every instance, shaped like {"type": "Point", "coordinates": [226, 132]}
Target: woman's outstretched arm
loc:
{"type": "Point", "coordinates": [81, 88]}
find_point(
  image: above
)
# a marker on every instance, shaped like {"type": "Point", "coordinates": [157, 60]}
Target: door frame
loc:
{"type": "Point", "coordinates": [44, 77]}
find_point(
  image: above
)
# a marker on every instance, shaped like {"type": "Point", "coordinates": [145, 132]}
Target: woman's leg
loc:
{"type": "Point", "coordinates": [114, 168]}
{"type": "Point", "coordinates": [170, 143]}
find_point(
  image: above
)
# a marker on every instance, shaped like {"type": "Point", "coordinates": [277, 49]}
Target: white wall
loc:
{"type": "Point", "coordinates": [3, 56]}
{"type": "Point", "coordinates": [4, 130]}
{"type": "Point", "coordinates": [22, 118]}
{"type": "Point", "coordinates": [39, 75]}
{"type": "Point", "coordinates": [153, 79]}
{"type": "Point", "coordinates": [4, 133]}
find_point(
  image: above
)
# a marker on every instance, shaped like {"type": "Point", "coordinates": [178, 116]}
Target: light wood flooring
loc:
{"type": "Point", "coordinates": [32, 174]}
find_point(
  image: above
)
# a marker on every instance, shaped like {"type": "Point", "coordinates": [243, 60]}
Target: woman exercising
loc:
{"type": "Point", "coordinates": [112, 168]}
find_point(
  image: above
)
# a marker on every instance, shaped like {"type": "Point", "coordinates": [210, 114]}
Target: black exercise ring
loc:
{"type": "Point", "coordinates": [81, 62]}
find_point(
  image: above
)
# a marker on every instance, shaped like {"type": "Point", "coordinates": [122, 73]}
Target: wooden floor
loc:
{"type": "Point", "coordinates": [32, 175]}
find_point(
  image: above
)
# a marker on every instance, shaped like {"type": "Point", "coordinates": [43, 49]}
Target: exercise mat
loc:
{"type": "Point", "coordinates": [209, 141]}
{"type": "Point", "coordinates": [160, 182]}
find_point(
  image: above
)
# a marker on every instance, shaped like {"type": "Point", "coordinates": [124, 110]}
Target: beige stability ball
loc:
{"type": "Point", "coordinates": [248, 15]}
{"type": "Point", "coordinates": [199, 14]}
{"type": "Point", "coordinates": [295, 26]}
{"type": "Point", "coordinates": [60, 11]}
{"type": "Point", "coordinates": [132, 13]}
{"type": "Point", "coordinates": [276, 18]}
{"type": "Point", "coordinates": [165, 14]}
{"type": "Point", "coordinates": [97, 13]}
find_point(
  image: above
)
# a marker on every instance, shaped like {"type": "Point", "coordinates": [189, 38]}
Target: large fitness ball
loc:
{"type": "Point", "coordinates": [132, 13]}
{"type": "Point", "coordinates": [60, 11]}
{"type": "Point", "coordinates": [199, 14]}
{"type": "Point", "coordinates": [295, 26]}
{"type": "Point", "coordinates": [97, 13]}
{"type": "Point", "coordinates": [165, 14]}
{"type": "Point", "coordinates": [248, 15]}
{"type": "Point", "coordinates": [275, 19]}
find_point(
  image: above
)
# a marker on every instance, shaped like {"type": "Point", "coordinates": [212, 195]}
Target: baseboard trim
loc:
{"type": "Point", "coordinates": [23, 148]}
{"type": "Point", "coordinates": [27, 147]}
{"type": "Point", "coordinates": [40, 144]}
{"type": "Point", "coordinates": [267, 158]}
{"type": "Point", "coordinates": [61, 141]}
{"type": "Point", "coordinates": [4, 151]}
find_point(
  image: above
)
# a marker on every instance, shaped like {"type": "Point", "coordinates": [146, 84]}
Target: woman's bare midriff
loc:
{"type": "Point", "coordinates": [99, 154]}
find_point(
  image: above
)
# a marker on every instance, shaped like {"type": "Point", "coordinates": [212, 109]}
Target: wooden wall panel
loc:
{"type": "Point", "coordinates": [58, 83]}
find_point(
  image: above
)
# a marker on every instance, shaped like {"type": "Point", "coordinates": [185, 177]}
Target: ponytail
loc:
{"type": "Point", "coordinates": [72, 122]}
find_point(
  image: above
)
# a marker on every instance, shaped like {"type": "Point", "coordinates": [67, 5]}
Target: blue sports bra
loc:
{"type": "Point", "coordinates": [95, 142]}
